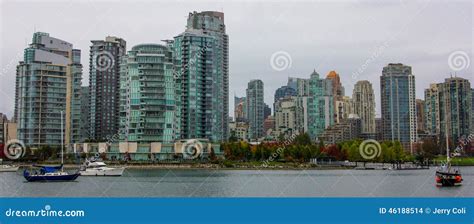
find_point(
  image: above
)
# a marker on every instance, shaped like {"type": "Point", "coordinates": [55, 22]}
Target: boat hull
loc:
{"type": "Point", "coordinates": [9, 169]}
{"type": "Point", "coordinates": [448, 179]}
{"type": "Point", "coordinates": [103, 172]}
{"type": "Point", "coordinates": [43, 178]}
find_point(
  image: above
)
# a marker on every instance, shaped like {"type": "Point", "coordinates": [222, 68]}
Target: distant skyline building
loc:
{"type": "Point", "coordinates": [202, 55]}
{"type": "Point", "coordinates": [255, 108]}
{"type": "Point", "coordinates": [240, 109]}
{"type": "Point", "coordinates": [267, 111]}
{"type": "Point", "coordinates": [148, 98]}
{"type": "Point", "coordinates": [337, 93]}
{"type": "Point", "coordinates": [397, 87]}
{"type": "Point", "coordinates": [449, 103]}
{"type": "Point", "coordinates": [3, 120]}
{"type": "Point", "coordinates": [320, 105]}
{"type": "Point", "coordinates": [104, 103]}
{"type": "Point", "coordinates": [85, 117]}
{"type": "Point", "coordinates": [48, 81]}
{"type": "Point", "coordinates": [363, 101]}
{"type": "Point", "coordinates": [283, 92]}
{"type": "Point", "coordinates": [420, 115]}
{"type": "Point", "coordinates": [285, 115]}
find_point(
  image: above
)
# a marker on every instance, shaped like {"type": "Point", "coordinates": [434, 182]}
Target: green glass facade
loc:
{"type": "Point", "coordinates": [202, 77]}
{"type": "Point", "coordinates": [148, 97]}
{"type": "Point", "coordinates": [320, 105]}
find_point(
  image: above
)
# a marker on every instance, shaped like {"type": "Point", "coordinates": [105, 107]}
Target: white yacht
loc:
{"type": "Point", "coordinates": [99, 168]}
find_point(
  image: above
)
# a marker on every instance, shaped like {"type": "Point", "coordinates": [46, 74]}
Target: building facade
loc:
{"type": "Point", "coordinates": [240, 109]}
{"type": "Point", "coordinates": [285, 115]}
{"type": "Point", "coordinates": [397, 87]}
{"type": "Point", "coordinates": [48, 84]}
{"type": "Point", "coordinates": [104, 97]}
{"type": "Point", "coordinates": [255, 108]}
{"type": "Point", "coordinates": [363, 104]}
{"type": "Point", "coordinates": [337, 93]}
{"type": "Point", "coordinates": [85, 115]}
{"type": "Point", "coordinates": [320, 105]}
{"type": "Point", "coordinates": [148, 97]}
{"type": "Point", "coordinates": [448, 109]}
{"type": "Point", "coordinates": [202, 56]}
{"type": "Point", "coordinates": [420, 116]}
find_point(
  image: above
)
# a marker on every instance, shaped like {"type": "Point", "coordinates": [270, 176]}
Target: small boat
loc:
{"type": "Point", "coordinates": [52, 173]}
{"type": "Point", "coordinates": [95, 167]}
{"type": "Point", "coordinates": [447, 176]}
{"type": "Point", "coordinates": [49, 173]}
{"type": "Point", "coordinates": [9, 168]}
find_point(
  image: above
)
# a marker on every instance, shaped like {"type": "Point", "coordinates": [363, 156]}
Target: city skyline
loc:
{"type": "Point", "coordinates": [414, 47]}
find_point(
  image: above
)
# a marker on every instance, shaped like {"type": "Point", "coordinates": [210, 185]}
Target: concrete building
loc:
{"type": "Point", "coordinates": [240, 109]}
{"type": "Point", "coordinates": [3, 120]}
{"type": "Point", "coordinates": [255, 107]}
{"type": "Point", "coordinates": [105, 58]}
{"type": "Point", "coordinates": [285, 115]}
{"type": "Point", "coordinates": [239, 130]}
{"type": "Point", "coordinates": [337, 94]}
{"type": "Point", "coordinates": [420, 114]}
{"type": "Point", "coordinates": [85, 116]}
{"type": "Point", "coordinates": [267, 111]}
{"type": "Point", "coordinates": [152, 151]}
{"type": "Point", "coordinates": [202, 55]}
{"type": "Point", "coordinates": [449, 103]}
{"type": "Point", "coordinates": [269, 125]}
{"type": "Point", "coordinates": [363, 104]}
{"type": "Point", "coordinates": [347, 129]}
{"type": "Point", "coordinates": [48, 81]}
{"type": "Point", "coordinates": [148, 98]}
{"type": "Point", "coordinates": [397, 87]}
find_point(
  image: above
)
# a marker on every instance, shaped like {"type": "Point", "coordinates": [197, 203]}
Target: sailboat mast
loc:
{"type": "Point", "coordinates": [62, 139]}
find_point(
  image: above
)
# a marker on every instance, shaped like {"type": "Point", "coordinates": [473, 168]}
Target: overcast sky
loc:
{"type": "Point", "coordinates": [355, 38]}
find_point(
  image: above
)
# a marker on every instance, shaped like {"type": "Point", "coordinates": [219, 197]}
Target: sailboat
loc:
{"type": "Point", "coordinates": [446, 175]}
{"type": "Point", "coordinates": [52, 173]}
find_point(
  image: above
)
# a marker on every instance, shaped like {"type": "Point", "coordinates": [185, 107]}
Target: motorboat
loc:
{"type": "Point", "coordinates": [96, 167]}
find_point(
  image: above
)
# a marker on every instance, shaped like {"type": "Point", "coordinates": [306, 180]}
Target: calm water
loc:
{"type": "Point", "coordinates": [244, 183]}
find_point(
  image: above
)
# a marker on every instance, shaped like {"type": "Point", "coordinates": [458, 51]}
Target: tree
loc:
{"type": "Point", "coordinates": [302, 139]}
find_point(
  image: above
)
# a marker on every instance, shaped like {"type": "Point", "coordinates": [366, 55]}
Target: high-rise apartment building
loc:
{"type": "Point", "coordinates": [320, 105]}
{"type": "Point", "coordinates": [448, 109]}
{"type": "Point", "coordinates": [420, 115]}
{"type": "Point", "coordinates": [363, 104]}
{"type": "Point", "coordinates": [255, 109]}
{"type": "Point", "coordinates": [397, 87]}
{"type": "Point", "coordinates": [48, 82]}
{"type": "Point", "coordinates": [85, 117]}
{"type": "Point", "coordinates": [104, 83]}
{"type": "Point", "coordinates": [337, 93]}
{"type": "Point", "coordinates": [240, 109]}
{"type": "Point", "coordinates": [148, 96]}
{"type": "Point", "coordinates": [202, 56]}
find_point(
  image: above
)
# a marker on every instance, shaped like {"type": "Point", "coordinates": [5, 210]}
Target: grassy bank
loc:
{"type": "Point", "coordinates": [457, 161]}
